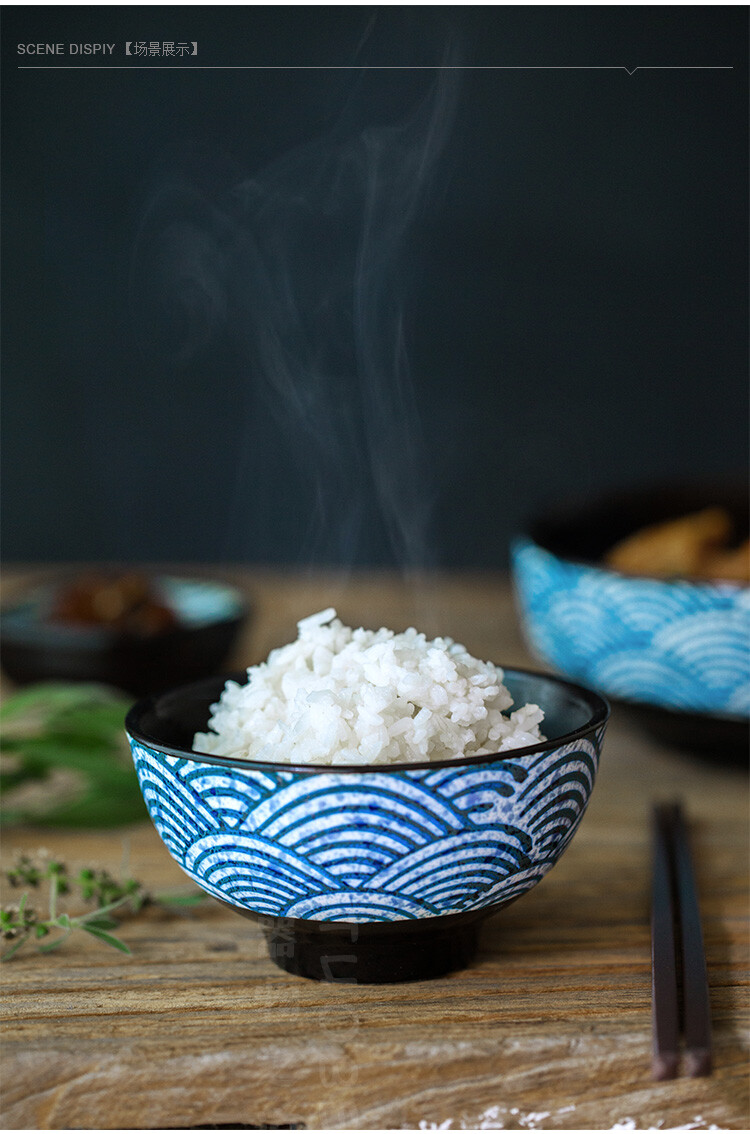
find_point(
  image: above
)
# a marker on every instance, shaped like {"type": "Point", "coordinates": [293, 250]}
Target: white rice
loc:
{"type": "Point", "coordinates": [343, 696]}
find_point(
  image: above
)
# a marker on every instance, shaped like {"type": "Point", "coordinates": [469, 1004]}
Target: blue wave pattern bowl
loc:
{"type": "Point", "coordinates": [676, 650]}
{"type": "Point", "coordinates": [386, 870]}
{"type": "Point", "coordinates": [675, 643]}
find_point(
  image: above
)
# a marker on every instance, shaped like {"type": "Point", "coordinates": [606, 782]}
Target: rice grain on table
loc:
{"type": "Point", "coordinates": [343, 696]}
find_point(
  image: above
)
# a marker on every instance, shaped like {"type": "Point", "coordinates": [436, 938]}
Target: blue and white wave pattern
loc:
{"type": "Point", "coordinates": [369, 846]}
{"type": "Point", "coordinates": [673, 643]}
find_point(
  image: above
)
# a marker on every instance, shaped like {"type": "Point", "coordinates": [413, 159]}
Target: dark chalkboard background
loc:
{"type": "Point", "coordinates": [569, 292]}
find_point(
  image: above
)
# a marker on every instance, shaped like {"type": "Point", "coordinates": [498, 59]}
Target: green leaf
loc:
{"type": "Point", "coordinates": [51, 751]}
{"type": "Point", "coordinates": [92, 723]}
{"type": "Point", "coordinates": [101, 922]}
{"type": "Point", "coordinates": [109, 794]}
{"type": "Point", "coordinates": [14, 948]}
{"type": "Point", "coordinates": [28, 769]}
{"type": "Point", "coordinates": [115, 942]}
{"type": "Point", "coordinates": [49, 697]}
{"type": "Point", "coordinates": [118, 903]}
{"type": "Point", "coordinates": [77, 727]}
{"type": "Point", "coordinates": [54, 944]}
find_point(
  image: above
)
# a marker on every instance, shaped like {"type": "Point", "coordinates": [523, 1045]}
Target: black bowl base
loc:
{"type": "Point", "coordinates": [412, 950]}
{"type": "Point", "coordinates": [722, 740]}
{"type": "Point", "coordinates": [373, 952]}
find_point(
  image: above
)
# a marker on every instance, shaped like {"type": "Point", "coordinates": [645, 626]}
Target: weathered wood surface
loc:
{"type": "Point", "coordinates": [550, 1028]}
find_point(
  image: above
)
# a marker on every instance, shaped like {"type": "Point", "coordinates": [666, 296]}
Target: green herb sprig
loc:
{"type": "Point", "coordinates": [75, 730]}
{"type": "Point", "coordinates": [23, 923]}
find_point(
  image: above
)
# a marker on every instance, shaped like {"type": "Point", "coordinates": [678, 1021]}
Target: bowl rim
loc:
{"type": "Point", "coordinates": [597, 703]}
{"type": "Point", "coordinates": [720, 585]}
{"type": "Point", "coordinates": [687, 497]}
{"type": "Point", "coordinates": [15, 629]}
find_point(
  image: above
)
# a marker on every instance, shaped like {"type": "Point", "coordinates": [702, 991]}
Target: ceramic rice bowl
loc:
{"type": "Point", "coordinates": [364, 874]}
{"type": "Point", "coordinates": [676, 650]}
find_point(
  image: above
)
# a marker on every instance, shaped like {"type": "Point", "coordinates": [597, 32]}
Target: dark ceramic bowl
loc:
{"type": "Point", "coordinates": [209, 616]}
{"type": "Point", "coordinates": [677, 649]}
{"type": "Point", "coordinates": [369, 874]}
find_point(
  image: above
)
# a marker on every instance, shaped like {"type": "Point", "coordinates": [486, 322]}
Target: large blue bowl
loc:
{"type": "Point", "coordinates": [679, 644]}
{"type": "Point", "coordinates": [369, 873]}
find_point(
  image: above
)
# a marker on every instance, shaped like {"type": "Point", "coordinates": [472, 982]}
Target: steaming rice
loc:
{"type": "Point", "coordinates": [343, 696]}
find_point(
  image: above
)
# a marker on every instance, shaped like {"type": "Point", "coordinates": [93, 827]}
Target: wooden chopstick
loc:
{"type": "Point", "coordinates": [696, 1005]}
{"type": "Point", "coordinates": [665, 1028]}
{"type": "Point", "coordinates": [676, 935]}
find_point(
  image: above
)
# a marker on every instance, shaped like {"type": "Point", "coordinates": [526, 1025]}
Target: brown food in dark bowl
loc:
{"type": "Point", "coordinates": [138, 632]}
{"type": "Point", "coordinates": [701, 545]}
{"type": "Point", "coordinates": [128, 603]}
{"type": "Point", "coordinates": [588, 533]}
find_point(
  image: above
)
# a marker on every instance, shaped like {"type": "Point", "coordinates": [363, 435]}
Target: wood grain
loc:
{"type": "Point", "coordinates": [550, 1028]}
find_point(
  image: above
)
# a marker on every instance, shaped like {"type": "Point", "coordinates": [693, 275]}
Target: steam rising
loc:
{"type": "Point", "coordinates": [303, 266]}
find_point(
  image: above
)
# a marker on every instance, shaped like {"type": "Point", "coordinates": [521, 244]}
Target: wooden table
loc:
{"type": "Point", "coordinates": [550, 1028]}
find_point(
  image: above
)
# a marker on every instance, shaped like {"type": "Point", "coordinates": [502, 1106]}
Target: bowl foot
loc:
{"type": "Point", "coordinates": [373, 952]}
{"type": "Point", "coordinates": [722, 740]}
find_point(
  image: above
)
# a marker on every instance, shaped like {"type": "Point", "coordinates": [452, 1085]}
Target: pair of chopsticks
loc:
{"type": "Point", "coordinates": [680, 1000]}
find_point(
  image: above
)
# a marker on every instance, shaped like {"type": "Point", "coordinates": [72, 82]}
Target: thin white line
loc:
{"type": "Point", "coordinates": [343, 67]}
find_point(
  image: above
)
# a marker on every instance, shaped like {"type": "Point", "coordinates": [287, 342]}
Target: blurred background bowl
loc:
{"type": "Point", "coordinates": [676, 648]}
{"type": "Point", "coordinates": [207, 616]}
